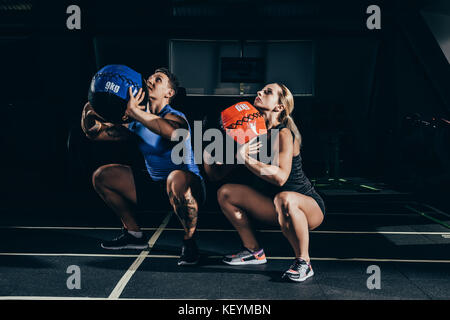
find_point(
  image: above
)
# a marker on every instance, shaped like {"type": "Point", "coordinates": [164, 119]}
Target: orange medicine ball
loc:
{"type": "Point", "coordinates": [243, 122]}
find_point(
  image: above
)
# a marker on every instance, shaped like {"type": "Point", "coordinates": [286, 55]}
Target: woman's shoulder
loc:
{"type": "Point", "coordinates": [286, 133]}
{"type": "Point", "coordinates": [288, 137]}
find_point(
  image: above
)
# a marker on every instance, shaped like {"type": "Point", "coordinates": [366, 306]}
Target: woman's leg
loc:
{"type": "Point", "coordinates": [238, 202]}
{"type": "Point", "coordinates": [289, 232]}
{"type": "Point", "coordinates": [303, 214]}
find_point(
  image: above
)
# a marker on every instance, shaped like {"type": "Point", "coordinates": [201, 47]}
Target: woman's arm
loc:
{"type": "Point", "coordinates": [278, 172]}
{"type": "Point", "coordinates": [96, 128]}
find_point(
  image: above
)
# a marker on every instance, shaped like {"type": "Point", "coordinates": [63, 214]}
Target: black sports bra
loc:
{"type": "Point", "coordinates": [297, 180]}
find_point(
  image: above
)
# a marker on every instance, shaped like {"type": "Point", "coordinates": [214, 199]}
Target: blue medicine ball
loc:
{"type": "Point", "coordinates": [108, 92]}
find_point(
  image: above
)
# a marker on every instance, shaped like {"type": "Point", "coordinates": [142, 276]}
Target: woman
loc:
{"type": "Point", "coordinates": [279, 195]}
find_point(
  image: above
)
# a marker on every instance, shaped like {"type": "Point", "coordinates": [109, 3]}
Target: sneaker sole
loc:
{"type": "Point", "coordinates": [185, 263]}
{"type": "Point", "coordinates": [301, 279]}
{"type": "Point", "coordinates": [241, 263]}
{"type": "Point", "coordinates": [126, 247]}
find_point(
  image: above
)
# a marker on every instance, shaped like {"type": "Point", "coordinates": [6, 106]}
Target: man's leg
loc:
{"type": "Point", "coordinates": [115, 185]}
{"type": "Point", "coordinates": [185, 192]}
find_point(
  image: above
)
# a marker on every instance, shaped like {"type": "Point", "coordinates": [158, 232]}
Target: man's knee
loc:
{"type": "Point", "coordinates": [102, 177]}
{"type": "Point", "coordinates": [99, 177]}
{"type": "Point", "coordinates": [178, 185]}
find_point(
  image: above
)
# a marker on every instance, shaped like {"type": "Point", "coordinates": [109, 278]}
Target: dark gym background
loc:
{"type": "Point", "coordinates": [383, 93]}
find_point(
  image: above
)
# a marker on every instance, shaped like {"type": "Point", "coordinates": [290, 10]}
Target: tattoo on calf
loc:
{"type": "Point", "coordinates": [187, 210]}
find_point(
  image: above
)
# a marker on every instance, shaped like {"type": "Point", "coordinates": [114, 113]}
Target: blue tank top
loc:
{"type": "Point", "coordinates": [157, 150]}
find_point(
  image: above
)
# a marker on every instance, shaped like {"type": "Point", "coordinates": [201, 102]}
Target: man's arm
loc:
{"type": "Point", "coordinates": [98, 129]}
{"type": "Point", "coordinates": [165, 127]}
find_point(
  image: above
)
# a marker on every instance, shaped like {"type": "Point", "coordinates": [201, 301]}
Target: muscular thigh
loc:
{"type": "Point", "coordinates": [305, 203]}
{"type": "Point", "coordinates": [118, 178]}
{"type": "Point", "coordinates": [252, 202]}
{"type": "Point", "coordinates": [181, 182]}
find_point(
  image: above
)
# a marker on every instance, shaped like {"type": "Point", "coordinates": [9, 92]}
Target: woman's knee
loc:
{"type": "Point", "coordinates": [225, 198]}
{"type": "Point", "coordinates": [284, 203]}
{"type": "Point", "coordinates": [288, 205]}
{"type": "Point", "coordinates": [224, 194]}
{"type": "Point", "coordinates": [280, 202]}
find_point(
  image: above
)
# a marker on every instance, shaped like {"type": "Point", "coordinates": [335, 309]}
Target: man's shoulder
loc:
{"type": "Point", "coordinates": [169, 110]}
{"type": "Point", "coordinates": [177, 116]}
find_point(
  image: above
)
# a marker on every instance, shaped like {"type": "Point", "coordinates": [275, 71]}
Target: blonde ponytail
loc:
{"type": "Point", "coordinates": [287, 100]}
{"type": "Point", "coordinates": [293, 127]}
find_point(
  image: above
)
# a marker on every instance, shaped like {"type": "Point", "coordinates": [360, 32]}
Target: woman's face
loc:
{"type": "Point", "coordinates": [267, 98]}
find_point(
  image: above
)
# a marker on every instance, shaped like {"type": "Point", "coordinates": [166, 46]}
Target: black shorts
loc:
{"type": "Point", "coordinates": [270, 191]}
{"type": "Point", "coordinates": [313, 194]}
{"type": "Point", "coordinates": [152, 195]}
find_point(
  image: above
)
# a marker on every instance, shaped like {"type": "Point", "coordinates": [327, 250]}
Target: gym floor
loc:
{"type": "Point", "coordinates": [408, 241]}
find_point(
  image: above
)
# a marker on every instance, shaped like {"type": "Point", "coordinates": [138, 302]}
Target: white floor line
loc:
{"type": "Point", "coordinates": [84, 255]}
{"type": "Point", "coordinates": [64, 228]}
{"type": "Point", "coordinates": [82, 298]}
{"type": "Point", "coordinates": [354, 259]}
{"type": "Point", "coordinates": [161, 256]}
{"type": "Point", "coordinates": [228, 230]}
{"type": "Point", "coordinates": [362, 214]}
{"type": "Point", "coordinates": [373, 260]}
{"type": "Point", "coordinates": [117, 291]}
{"type": "Point", "coordinates": [47, 298]}
{"type": "Point", "coordinates": [382, 232]}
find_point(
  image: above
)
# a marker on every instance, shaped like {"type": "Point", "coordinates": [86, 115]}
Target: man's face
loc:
{"type": "Point", "coordinates": [159, 87]}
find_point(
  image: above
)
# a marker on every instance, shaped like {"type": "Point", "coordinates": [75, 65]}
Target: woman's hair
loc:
{"type": "Point", "coordinates": [287, 100]}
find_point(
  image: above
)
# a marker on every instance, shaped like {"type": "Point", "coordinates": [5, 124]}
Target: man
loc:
{"type": "Point", "coordinates": [123, 187]}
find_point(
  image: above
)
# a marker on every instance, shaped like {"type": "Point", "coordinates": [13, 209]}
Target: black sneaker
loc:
{"type": "Point", "coordinates": [126, 241]}
{"type": "Point", "coordinates": [189, 253]}
{"type": "Point", "coordinates": [299, 271]}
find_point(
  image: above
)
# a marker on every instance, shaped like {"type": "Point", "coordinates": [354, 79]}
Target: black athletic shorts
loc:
{"type": "Point", "coordinates": [152, 195]}
{"type": "Point", "coordinates": [270, 191]}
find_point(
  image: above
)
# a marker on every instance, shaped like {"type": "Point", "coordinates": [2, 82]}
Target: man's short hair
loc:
{"type": "Point", "coordinates": [173, 81]}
